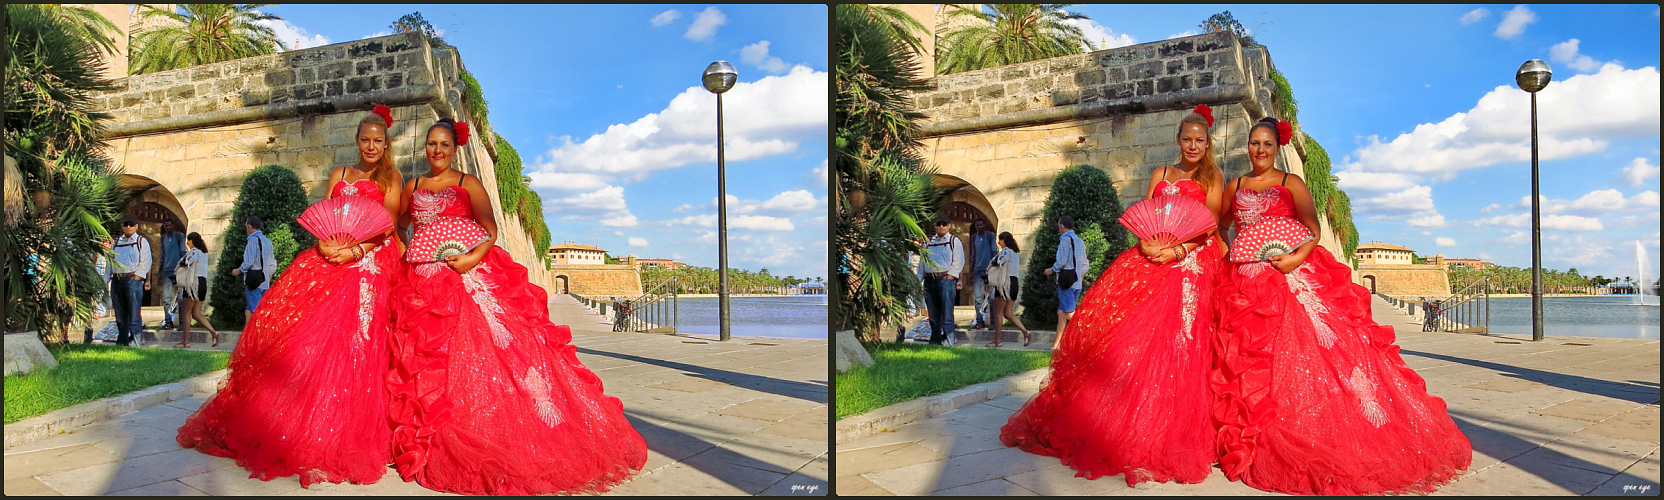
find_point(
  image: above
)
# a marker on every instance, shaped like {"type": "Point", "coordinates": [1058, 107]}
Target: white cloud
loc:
{"type": "Point", "coordinates": [1099, 37]}
{"type": "Point", "coordinates": [705, 24]}
{"type": "Point", "coordinates": [1637, 172]}
{"type": "Point", "coordinates": [295, 37]}
{"type": "Point", "coordinates": [617, 233]}
{"type": "Point", "coordinates": [625, 220]}
{"type": "Point", "coordinates": [1434, 220]}
{"type": "Point", "coordinates": [763, 118]}
{"type": "Point", "coordinates": [606, 203]}
{"type": "Point", "coordinates": [666, 17]}
{"type": "Point", "coordinates": [1579, 251]}
{"type": "Point", "coordinates": [1415, 205]}
{"type": "Point", "coordinates": [1183, 34]}
{"type": "Point", "coordinates": [685, 207]}
{"type": "Point", "coordinates": [376, 34]}
{"type": "Point", "coordinates": [1375, 181]}
{"type": "Point", "coordinates": [1444, 242]}
{"type": "Point", "coordinates": [793, 201]}
{"type": "Point", "coordinates": [1596, 203]}
{"type": "Point", "coordinates": [1473, 16]}
{"type": "Point", "coordinates": [1561, 222]}
{"type": "Point", "coordinates": [1577, 116]}
{"type": "Point", "coordinates": [1426, 233]}
{"type": "Point", "coordinates": [751, 222]}
{"type": "Point", "coordinates": [817, 177]}
{"type": "Point", "coordinates": [1566, 52]}
{"type": "Point", "coordinates": [567, 181]}
{"type": "Point", "coordinates": [1514, 22]}
{"type": "Point", "coordinates": [638, 242]}
{"type": "Point", "coordinates": [756, 54]}
{"type": "Point", "coordinates": [1490, 208]}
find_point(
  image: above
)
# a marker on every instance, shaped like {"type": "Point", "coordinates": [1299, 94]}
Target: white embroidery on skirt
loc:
{"type": "Point", "coordinates": [1253, 269]}
{"type": "Point", "coordinates": [365, 297]}
{"type": "Point", "coordinates": [1305, 292]}
{"type": "Point", "coordinates": [427, 270]}
{"type": "Point", "coordinates": [539, 389]}
{"type": "Point", "coordinates": [481, 290]}
{"type": "Point", "coordinates": [1365, 390]}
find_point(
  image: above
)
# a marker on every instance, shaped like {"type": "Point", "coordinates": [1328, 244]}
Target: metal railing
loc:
{"type": "Point", "coordinates": [1466, 311]}
{"type": "Point", "coordinates": [653, 312]}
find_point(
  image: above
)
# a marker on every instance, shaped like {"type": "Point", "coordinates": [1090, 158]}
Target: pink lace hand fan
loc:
{"type": "Point", "coordinates": [444, 237]}
{"type": "Point", "coordinates": [1167, 219]}
{"type": "Point", "coordinates": [346, 220]}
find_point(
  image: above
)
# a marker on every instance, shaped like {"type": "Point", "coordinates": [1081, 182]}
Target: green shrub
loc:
{"type": "Point", "coordinates": [1328, 199]}
{"type": "Point", "coordinates": [508, 167]}
{"type": "Point", "coordinates": [474, 98]}
{"type": "Point", "coordinates": [275, 194]}
{"type": "Point", "coordinates": [1087, 194]}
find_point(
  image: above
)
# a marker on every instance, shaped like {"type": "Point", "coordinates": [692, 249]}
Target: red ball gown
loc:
{"type": "Point", "coordinates": [1312, 396]}
{"type": "Point", "coordinates": [488, 396]}
{"type": "Point", "coordinates": [304, 394]}
{"type": "Point", "coordinates": [1128, 390]}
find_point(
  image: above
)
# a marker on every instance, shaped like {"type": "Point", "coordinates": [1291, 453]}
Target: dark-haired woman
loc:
{"type": "Point", "coordinates": [193, 273]}
{"type": "Point", "coordinates": [488, 396]}
{"type": "Point", "coordinates": [1128, 390]}
{"type": "Point", "coordinates": [1002, 277]}
{"type": "Point", "coordinates": [1312, 396]}
{"type": "Point", "coordinates": [305, 395]}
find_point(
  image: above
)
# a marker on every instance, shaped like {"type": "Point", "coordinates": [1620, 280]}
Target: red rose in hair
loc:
{"type": "Point", "coordinates": [461, 133]}
{"type": "Point", "coordinates": [1206, 112]}
{"type": "Point", "coordinates": [1285, 131]}
{"type": "Point", "coordinates": [385, 113]}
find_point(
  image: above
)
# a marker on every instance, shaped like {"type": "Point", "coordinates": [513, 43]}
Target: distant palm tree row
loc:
{"type": "Point", "coordinates": [694, 279]}
{"type": "Point", "coordinates": [1506, 279]}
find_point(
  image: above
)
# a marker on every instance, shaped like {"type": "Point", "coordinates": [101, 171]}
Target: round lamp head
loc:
{"type": "Point", "coordinates": [719, 77]}
{"type": "Point", "coordinates": [1533, 75]}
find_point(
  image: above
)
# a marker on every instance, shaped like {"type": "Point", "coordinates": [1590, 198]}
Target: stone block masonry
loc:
{"type": "Point", "coordinates": [1004, 133]}
{"type": "Point", "coordinates": [195, 133]}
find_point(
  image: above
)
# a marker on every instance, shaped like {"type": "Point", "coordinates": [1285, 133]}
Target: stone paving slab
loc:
{"type": "Point", "coordinates": [749, 416]}
{"type": "Point", "coordinates": [1567, 416]}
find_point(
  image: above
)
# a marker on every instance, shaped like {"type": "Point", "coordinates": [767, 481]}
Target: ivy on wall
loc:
{"type": "Point", "coordinates": [1329, 200]}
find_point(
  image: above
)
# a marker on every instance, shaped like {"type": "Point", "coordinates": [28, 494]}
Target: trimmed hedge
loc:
{"type": "Point", "coordinates": [275, 194]}
{"type": "Point", "coordinates": [1088, 194]}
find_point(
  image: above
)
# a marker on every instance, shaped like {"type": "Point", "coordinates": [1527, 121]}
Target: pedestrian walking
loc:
{"type": "Point", "coordinates": [173, 249]}
{"type": "Point", "coordinates": [944, 259]}
{"type": "Point", "coordinates": [1071, 263]}
{"type": "Point", "coordinates": [1002, 276]}
{"type": "Point", "coordinates": [128, 282]}
{"type": "Point", "coordinates": [258, 263]}
{"type": "Point", "coordinates": [983, 250]}
{"type": "Point", "coordinates": [193, 270]}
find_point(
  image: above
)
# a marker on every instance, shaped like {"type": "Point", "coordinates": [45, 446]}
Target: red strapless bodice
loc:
{"type": "Point", "coordinates": [1189, 189]}
{"type": "Point", "coordinates": [1251, 206]}
{"type": "Point", "coordinates": [452, 201]}
{"type": "Point", "coordinates": [361, 187]}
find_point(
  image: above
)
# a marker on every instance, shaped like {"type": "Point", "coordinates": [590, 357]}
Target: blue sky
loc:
{"type": "Point", "coordinates": [605, 106]}
{"type": "Point", "coordinates": [1417, 106]}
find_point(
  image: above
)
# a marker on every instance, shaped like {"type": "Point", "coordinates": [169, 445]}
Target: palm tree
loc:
{"type": "Point", "coordinates": [205, 33]}
{"type": "Point", "coordinates": [883, 187]}
{"type": "Point", "coordinates": [1012, 33]}
{"type": "Point", "coordinates": [57, 145]}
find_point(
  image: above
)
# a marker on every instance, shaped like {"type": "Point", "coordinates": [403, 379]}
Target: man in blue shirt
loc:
{"type": "Point", "coordinates": [257, 256]}
{"type": "Point", "coordinates": [944, 259]}
{"type": "Point", "coordinates": [982, 252]}
{"type": "Point", "coordinates": [1071, 256]}
{"type": "Point", "coordinates": [173, 249]}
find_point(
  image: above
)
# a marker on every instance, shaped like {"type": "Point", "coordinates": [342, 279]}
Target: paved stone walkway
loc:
{"type": "Point", "coordinates": [1568, 415]}
{"type": "Point", "coordinates": [744, 417]}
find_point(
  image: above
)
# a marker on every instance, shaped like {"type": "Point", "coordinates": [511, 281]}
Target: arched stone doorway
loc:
{"type": "Point", "coordinates": [561, 284]}
{"type": "Point", "coordinates": [151, 204]}
{"type": "Point", "coordinates": [963, 205]}
{"type": "Point", "coordinates": [1369, 282]}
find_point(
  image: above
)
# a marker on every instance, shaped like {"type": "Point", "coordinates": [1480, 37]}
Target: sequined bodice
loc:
{"type": "Point", "coordinates": [1251, 206]}
{"type": "Point", "coordinates": [1186, 187]}
{"type": "Point", "coordinates": [361, 187]}
{"type": "Point", "coordinates": [427, 206]}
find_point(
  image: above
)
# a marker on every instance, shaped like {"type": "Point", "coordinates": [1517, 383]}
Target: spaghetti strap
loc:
{"type": "Point", "coordinates": [1285, 179]}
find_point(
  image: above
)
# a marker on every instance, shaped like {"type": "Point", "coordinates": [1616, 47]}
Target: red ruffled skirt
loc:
{"type": "Point", "coordinates": [488, 396]}
{"type": "Point", "coordinates": [1128, 390]}
{"type": "Point", "coordinates": [304, 394]}
{"type": "Point", "coordinates": [1312, 396]}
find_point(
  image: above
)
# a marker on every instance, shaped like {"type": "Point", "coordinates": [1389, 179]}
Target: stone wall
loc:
{"type": "Point", "coordinates": [1405, 281]}
{"type": "Point", "coordinates": [596, 280]}
{"type": "Point", "coordinates": [194, 133]}
{"type": "Point", "coordinates": [1004, 133]}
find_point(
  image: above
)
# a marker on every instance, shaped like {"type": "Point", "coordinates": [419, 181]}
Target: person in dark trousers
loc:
{"type": "Point", "coordinates": [982, 252]}
{"type": "Point", "coordinates": [173, 249]}
{"type": "Point", "coordinates": [621, 320]}
{"type": "Point", "coordinates": [1432, 323]}
{"type": "Point", "coordinates": [944, 260]}
{"type": "Point", "coordinates": [128, 281]}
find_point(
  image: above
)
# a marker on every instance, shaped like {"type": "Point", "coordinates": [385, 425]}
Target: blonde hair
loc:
{"type": "Point", "coordinates": [385, 174]}
{"type": "Point", "coordinates": [1207, 170]}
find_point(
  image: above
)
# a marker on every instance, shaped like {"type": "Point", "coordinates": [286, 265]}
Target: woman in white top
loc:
{"type": "Point", "coordinates": [193, 275]}
{"type": "Point", "coordinates": [1002, 275]}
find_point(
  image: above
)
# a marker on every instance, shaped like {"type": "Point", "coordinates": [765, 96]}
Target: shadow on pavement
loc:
{"type": "Point", "coordinates": [790, 388]}
{"type": "Point", "coordinates": [1634, 392]}
{"type": "Point", "coordinates": [1576, 475]}
{"type": "Point", "coordinates": [740, 471]}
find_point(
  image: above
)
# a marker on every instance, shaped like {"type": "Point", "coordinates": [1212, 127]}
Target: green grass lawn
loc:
{"type": "Point", "coordinates": [901, 372]}
{"type": "Point", "coordinates": [89, 372]}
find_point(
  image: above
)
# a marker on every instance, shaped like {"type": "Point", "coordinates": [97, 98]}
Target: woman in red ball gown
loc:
{"type": "Point", "coordinates": [488, 396]}
{"type": "Point", "coordinates": [1312, 396]}
{"type": "Point", "coordinates": [1128, 389]}
{"type": "Point", "coordinates": [304, 395]}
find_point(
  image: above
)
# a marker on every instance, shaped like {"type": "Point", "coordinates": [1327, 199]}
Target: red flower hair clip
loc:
{"type": "Point", "coordinates": [461, 133]}
{"type": "Point", "coordinates": [1206, 112]}
{"type": "Point", "coordinates": [384, 112]}
{"type": "Point", "coordinates": [1285, 132]}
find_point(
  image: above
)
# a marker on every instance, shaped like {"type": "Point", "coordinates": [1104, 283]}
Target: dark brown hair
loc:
{"type": "Point", "coordinates": [196, 241]}
{"type": "Point", "coordinates": [1010, 242]}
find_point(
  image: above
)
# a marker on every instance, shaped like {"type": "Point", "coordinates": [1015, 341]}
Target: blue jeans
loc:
{"type": "Point", "coordinates": [939, 296]}
{"type": "Point", "coordinates": [126, 296]}
{"type": "Point", "coordinates": [980, 295]}
{"type": "Point", "coordinates": [253, 297]}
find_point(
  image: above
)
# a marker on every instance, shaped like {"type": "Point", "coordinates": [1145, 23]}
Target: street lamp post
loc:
{"type": "Point", "coordinates": [718, 78]}
{"type": "Point", "coordinates": [1532, 77]}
